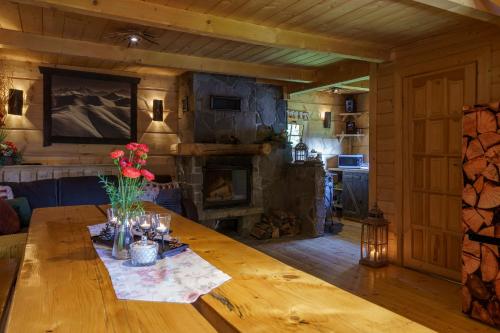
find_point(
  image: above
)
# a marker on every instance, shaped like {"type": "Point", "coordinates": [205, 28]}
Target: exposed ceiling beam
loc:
{"type": "Point", "coordinates": [344, 72]}
{"type": "Point", "coordinates": [483, 10]}
{"type": "Point", "coordinates": [55, 45]}
{"type": "Point", "coordinates": [159, 16]}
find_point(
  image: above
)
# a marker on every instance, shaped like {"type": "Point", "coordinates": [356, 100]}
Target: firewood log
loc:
{"type": "Point", "coordinates": [493, 155]}
{"type": "Point", "coordinates": [471, 263]}
{"type": "Point", "coordinates": [489, 139]}
{"type": "Point", "coordinates": [469, 195]}
{"type": "Point", "coordinates": [475, 149]}
{"type": "Point", "coordinates": [475, 167]}
{"type": "Point", "coordinates": [494, 249]}
{"type": "Point", "coordinates": [472, 218]}
{"type": "Point", "coordinates": [477, 288]}
{"type": "Point", "coordinates": [466, 299]}
{"type": "Point", "coordinates": [480, 313]}
{"type": "Point", "coordinates": [470, 124]}
{"type": "Point", "coordinates": [487, 216]}
{"type": "Point", "coordinates": [491, 172]}
{"type": "Point", "coordinates": [488, 231]}
{"type": "Point", "coordinates": [490, 196]}
{"type": "Point", "coordinates": [497, 287]}
{"type": "Point", "coordinates": [478, 184]}
{"type": "Point", "coordinates": [471, 247]}
{"type": "Point", "coordinates": [486, 122]}
{"type": "Point", "coordinates": [489, 264]}
{"type": "Point", "coordinates": [494, 311]}
{"type": "Point", "coordinates": [275, 233]}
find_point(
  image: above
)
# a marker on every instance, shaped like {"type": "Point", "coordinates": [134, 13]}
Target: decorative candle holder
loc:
{"type": "Point", "coordinates": [144, 252]}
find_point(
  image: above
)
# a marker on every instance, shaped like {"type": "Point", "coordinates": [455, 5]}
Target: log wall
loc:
{"type": "Point", "coordinates": [386, 172]}
{"type": "Point", "coordinates": [27, 130]}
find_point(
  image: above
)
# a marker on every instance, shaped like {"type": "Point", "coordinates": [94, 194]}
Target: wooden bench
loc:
{"type": "Point", "coordinates": [8, 272]}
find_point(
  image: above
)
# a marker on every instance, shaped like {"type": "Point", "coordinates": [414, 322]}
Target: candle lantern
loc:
{"type": "Point", "coordinates": [374, 239]}
{"type": "Point", "coordinates": [301, 152]}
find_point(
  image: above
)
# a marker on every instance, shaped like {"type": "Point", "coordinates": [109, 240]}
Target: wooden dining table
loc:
{"type": "Point", "coordinates": [63, 286]}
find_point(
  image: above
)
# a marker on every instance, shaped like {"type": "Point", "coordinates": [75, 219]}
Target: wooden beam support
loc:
{"type": "Point", "coordinates": [482, 10]}
{"type": "Point", "coordinates": [342, 73]}
{"type": "Point", "coordinates": [160, 16]}
{"type": "Point", "coordinates": [55, 45]}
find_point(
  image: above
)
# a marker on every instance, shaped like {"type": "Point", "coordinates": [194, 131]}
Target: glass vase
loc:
{"type": "Point", "coordinates": [122, 241]}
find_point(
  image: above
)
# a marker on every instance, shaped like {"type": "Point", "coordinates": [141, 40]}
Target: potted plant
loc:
{"type": "Point", "coordinates": [124, 194]}
{"type": "Point", "coordinates": [9, 154]}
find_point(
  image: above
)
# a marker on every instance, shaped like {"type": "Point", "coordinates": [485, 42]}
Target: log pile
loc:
{"type": "Point", "coordinates": [481, 212]}
{"type": "Point", "coordinates": [275, 225]}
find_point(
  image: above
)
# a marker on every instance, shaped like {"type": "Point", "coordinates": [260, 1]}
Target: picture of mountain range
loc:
{"type": "Point", "coordinates": [88, 108]}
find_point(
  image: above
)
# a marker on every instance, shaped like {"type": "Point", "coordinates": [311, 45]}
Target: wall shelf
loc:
{"type": "Point", "coordinates": [344, 115]}
{"type": "Point", "coordinates": [341, 137]}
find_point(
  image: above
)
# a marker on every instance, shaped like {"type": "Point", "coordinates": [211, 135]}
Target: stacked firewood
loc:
{"type": "Point", "coordinates": [481, 212]}
{"type": "Point", "coordinates": [275, 225]}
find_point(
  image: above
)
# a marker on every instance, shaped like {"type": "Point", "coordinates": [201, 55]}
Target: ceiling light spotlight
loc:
{"type": "Point", "coordinates": [133, 39]}
{"type": "Point", "coordinates": [336, 91]}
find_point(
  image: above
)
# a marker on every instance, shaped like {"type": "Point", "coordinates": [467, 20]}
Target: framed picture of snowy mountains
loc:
{"type": "Point", "coordinates": [84, 107]}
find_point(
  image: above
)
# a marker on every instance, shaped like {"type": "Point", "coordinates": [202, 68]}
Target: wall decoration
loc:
{"type": "Point", "coordinates": [83, 107]}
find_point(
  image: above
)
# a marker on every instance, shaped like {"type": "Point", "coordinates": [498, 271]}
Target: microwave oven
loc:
{"type": "Point", "coordinates": [350, 161]}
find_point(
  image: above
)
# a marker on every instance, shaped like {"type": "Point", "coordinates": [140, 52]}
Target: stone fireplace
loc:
{"type": "Point", "coordinates": [234, 187]}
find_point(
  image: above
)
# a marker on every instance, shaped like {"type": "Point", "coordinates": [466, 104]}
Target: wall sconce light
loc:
{"type": "Point", "coordinates": [157, 110]}
{"type": "Point", "coordinates": [15, 102]}
{"type": "Point", "coordinates": [327, 120]}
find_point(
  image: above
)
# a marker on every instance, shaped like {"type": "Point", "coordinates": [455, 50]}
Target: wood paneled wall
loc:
{"type": "Point", "coordinates": [323, 139]}
{"type": "Point", "coordinates": [27, 130]}
{"type": "Point", "coordinates": [443, 51]}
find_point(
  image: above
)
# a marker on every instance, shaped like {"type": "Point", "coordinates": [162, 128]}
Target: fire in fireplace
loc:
{"type": "Point", "coordinates": [226, 185]}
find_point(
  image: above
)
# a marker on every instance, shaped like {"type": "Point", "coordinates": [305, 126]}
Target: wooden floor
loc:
{"type": "Point", "coordinates": [428, 300]}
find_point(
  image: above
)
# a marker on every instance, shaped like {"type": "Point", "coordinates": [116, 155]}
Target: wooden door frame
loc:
{"type": "Point", "coordinates": [482, 57]}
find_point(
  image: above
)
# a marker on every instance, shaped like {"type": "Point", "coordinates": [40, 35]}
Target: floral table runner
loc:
{"type": "Point", "coordinates": [178, 279]}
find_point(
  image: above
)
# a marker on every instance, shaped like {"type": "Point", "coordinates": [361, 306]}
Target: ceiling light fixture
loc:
{"type": "Point", "coordinates": [133, 39]}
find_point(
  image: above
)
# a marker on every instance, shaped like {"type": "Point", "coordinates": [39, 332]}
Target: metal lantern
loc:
{"type": "Point", "coordinates": [374, 239]}
{"type": "Point", "coordinates": [301, 152]}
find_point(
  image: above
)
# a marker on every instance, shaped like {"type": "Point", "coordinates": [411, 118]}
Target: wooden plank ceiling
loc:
{"type": "Point", "coordinates": [384, 23]}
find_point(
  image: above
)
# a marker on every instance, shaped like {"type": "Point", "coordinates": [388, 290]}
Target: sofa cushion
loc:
{"type": "Point", "coordinates": [23, 210]}
{"type": "Point", "coordinates": [6, 192]}
{"type": "Point", "coordinates": [87, 190]}
{"type": "Point", "coordinates": [40, 193]}
{"type": "Point", "coordinates": [9, 222]}
{"type": "Point", "coordinates": [170, 198]}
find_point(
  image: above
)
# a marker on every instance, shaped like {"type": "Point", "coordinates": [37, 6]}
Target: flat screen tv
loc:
{"type": "Point", "coordinates": [225, 103]}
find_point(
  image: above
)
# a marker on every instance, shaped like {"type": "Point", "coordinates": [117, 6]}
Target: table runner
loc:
{"type": "Point", "coordinates": [178, 279]}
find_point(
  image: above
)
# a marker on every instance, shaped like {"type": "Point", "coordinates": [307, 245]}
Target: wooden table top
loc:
{"type": "Point", "coordinates": [64, 287]}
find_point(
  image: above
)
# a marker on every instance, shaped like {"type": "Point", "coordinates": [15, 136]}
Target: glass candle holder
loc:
{"type": "Point", "coordinates": [144, 252]}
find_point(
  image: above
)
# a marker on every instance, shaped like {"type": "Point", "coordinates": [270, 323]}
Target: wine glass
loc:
{"type": "Point", "coordinates": [162, 226]}
{"type": "Point", "coordinates": [145, 224]}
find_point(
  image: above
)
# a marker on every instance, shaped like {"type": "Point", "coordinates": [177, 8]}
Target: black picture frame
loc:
{"type": "Point", "coordinates": [48, 76]}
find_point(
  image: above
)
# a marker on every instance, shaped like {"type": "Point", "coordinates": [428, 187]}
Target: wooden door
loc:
{"type": "Point", "coordinates": [432, 168]}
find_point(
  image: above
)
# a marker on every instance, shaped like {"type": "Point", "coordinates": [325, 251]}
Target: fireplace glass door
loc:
{"type": "Point", "coordinates": [226, 186]}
